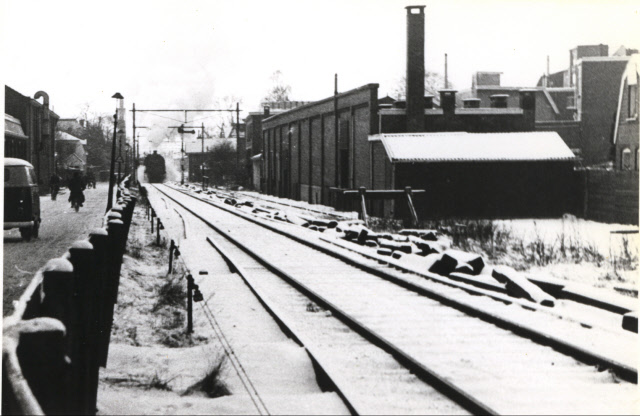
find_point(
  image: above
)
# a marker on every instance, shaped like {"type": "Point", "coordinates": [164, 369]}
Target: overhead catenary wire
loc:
{"type": "Point", "coordinates": [169, 118]}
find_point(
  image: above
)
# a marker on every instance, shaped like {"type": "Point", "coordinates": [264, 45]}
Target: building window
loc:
{"type": "Point", "coordinates": [632, 93]}
{"type": "Point", "coordinates": [626, 159]}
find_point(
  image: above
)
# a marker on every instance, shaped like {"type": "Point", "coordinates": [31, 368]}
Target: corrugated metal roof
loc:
{"type": "Point", "coordinates": [469, 147]}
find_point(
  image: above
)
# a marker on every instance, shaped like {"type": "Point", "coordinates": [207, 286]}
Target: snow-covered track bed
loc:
{"type": "Point", "coordinates": [479, 362]}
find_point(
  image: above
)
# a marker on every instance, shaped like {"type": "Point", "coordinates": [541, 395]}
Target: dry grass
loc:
{"type": "Point", "coordinates": [498, 243]}
{"type": "Point", "coordinates": [211, 385]}
{"type": "Point", "coordinates": [172, 293]}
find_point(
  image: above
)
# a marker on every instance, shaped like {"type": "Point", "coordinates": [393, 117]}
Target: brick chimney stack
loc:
{"type": "Point", "coordinates": [528, 105]}
{"type": "Point", "coordinates": [448, 102]}
{"type": "Point", "coordinates": [415, 68]}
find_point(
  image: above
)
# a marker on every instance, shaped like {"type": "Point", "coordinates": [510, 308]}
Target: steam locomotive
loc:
{"type": "Point", "coordinates": [155, 168]}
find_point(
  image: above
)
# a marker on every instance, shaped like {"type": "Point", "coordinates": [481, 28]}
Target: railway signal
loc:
{"type": "Point", "coordinates": [181, 130]}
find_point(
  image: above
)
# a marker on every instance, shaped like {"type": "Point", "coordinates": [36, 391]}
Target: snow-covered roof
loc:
{"type": "Point", "coordinates": [69, 137]}
{"type": "Point", "coordinates": [13, 127]}
{"type": "Point", "coordinates": [468, 147]}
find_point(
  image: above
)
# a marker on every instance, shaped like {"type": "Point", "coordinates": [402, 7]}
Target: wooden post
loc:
{"type": "Point", "coordinates": [83, 258]}
{"type": "Point", "coordinates": [99, 238]}
{"type": "Point", "coordinates": [171, 246]}
{"type": "Point", "coordinates": [115, 229]}
{"type": "Point", "coordinates": [56, 394]}
{"type": "Point", "coordinates": [363, 205]}
{"type": "Point", "coordinates": [189, 304]}
{"type": "Point", "coordinates": [412, 209]}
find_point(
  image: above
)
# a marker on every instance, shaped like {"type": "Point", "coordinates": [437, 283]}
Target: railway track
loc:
{"type": "Point", "coordinates": [475, 365]}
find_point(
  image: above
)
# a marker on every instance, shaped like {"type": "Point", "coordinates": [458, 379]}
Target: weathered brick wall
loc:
{"type": "Point", "coordinates": [628, 132]}
{"type": "Point", "coordinates": [312, 164]}
{"type": "Point", "coordinates": [600, 89]}
{"type": "Point", "coordinates": [609, 196]}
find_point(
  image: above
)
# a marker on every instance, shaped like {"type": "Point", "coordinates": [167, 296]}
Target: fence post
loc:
{"type": "Point", "coordinates": [171, 246]}
{"type": "Point", "coordinates": [119, 208]}
{"type": "Point", "coordinates": [24, 391]}
{"type": "Point", "coordinates": [55, 373]}
{"type": "Point", "coordinates": [158, 225]}
{"type": "Point", "coordinates": [83, 258]}
{"type": "Point", "coordinates": [115, 230]}
{"type": "Point", "coordinates": [189, 304]}
{"type": "Point", "coordinates": [412, 209]}
{"type": "Point", "coordinates": [363, 206]}
{"type": "Point", "coordinates": [99, 238]}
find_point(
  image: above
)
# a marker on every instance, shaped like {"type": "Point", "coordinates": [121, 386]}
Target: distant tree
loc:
{"type": "Point", "coordinates": [97, 133]}
{"type": "Point", "coordinates": [279, 90]}
{"type": "Point", "coordinates": [221, 160]}
{"type": "Point", "coordinates": [433, 82]}
{"type": "Point", "coordinates": [225, 121]}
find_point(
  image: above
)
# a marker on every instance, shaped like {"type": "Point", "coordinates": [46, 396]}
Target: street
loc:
{"type": "Point", "coordinates": [60, 227]}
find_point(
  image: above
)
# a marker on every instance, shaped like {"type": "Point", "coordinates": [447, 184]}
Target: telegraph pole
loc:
{"type": "Point", "coordinates": [135, 173]}
{"type": "Point", "coordinates": [203, 158]}
{"type": "Point", "coordinates": [237, 134]}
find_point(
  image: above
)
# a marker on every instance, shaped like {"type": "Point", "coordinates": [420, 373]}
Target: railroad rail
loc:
{"type": "Point", "coordinates": [337, 215]}
{"type": "Point", "coordinates": [404, 332]}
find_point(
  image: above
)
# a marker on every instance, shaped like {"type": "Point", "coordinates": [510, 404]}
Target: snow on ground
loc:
{"type": "Point", "coordinates": [60, 227]}
{"type": "Point", "coordinates": [151, 363]}
{"type": "Point", "coordinates": [570, 249]}
{"type": "Point", "coordinates": [605, 258]}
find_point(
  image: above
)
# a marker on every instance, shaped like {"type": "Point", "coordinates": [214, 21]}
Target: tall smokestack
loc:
{"type": "Point", "coordinates": [446, 73]}
{"type": "Point", "coordinates": [415, 68]}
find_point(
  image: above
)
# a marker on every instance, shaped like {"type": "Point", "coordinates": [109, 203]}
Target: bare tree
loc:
{"type": "Point", "coordinates": [433, 82]}
{"type": "Point", "coordinates": [225, 121]}
{"type": "Point", "coordinates": [279, 90]}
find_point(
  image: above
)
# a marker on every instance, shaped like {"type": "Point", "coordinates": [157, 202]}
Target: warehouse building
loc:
{"type": "Point", "coordinates": [316, 151]}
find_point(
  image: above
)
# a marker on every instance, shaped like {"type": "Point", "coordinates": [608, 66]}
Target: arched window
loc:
{"type": "Point", "coordinates": [626, 159]}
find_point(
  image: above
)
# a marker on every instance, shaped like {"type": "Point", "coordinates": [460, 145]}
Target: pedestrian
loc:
{"type": "Point", "coordinates": [76, 186]}
{"type": "Point", "coordinates": [54, 184]}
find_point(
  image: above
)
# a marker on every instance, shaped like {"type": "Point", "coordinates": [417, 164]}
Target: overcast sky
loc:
{"type": "Point", "coordinates": [172, 54]}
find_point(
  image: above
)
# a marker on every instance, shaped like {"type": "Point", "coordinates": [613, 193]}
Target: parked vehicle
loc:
{"type": "Point", "coordinates": [21, 198]}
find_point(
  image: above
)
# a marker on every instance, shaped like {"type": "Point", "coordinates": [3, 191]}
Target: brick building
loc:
{"type": "Point", "coordinates": [30, 132]}
{"type": "Point", "coordinates": [313, 152]}
{"type": "Point", "coordinates": [579, 103]}
{"type": "Point", "coordinates": [626, 136]}
{"type": "Point", "coordinates": [252, 160]}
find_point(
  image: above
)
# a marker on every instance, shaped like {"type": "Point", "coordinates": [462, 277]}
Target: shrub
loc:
{"type": "Point", "coordinates": [172, 293]}
{"type": "Point", "coordinates": [211, 384]}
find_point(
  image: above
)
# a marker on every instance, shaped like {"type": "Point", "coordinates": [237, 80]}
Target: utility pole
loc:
{"type": "Point", "coordinates": [237, 134]}
{"type": "Point", "coordinates": [203, 158]}
{"type": "Point", "coordinates": [335, 129]}
{"type": "Point", "coordinates": [113, 161]}
{"type": "Point", "coordinates": [182, 138]}
{"type": "Point", "coordinates": [135, 173]}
